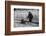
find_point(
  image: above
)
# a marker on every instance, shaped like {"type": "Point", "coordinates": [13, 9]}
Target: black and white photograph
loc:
{"type": "Point", "coordinates": [26, 17]}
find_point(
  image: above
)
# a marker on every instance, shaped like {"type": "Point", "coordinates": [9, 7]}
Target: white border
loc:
{"type": "Point", "coordinates": [25, 28]}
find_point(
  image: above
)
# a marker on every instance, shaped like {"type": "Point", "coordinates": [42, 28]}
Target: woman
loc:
{"type": "Point", "coordinates": [30, 16]}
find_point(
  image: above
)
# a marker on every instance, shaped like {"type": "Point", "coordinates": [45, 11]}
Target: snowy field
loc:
{"type": "Point", "coordinates": [26, 25]}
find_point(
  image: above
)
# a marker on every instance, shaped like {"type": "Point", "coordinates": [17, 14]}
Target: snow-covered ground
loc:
{"type": "Point", "coordinates": [26, 25]}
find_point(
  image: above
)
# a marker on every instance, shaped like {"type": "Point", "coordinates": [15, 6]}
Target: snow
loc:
{"type": "Point", "coordinates": [26, 25]}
